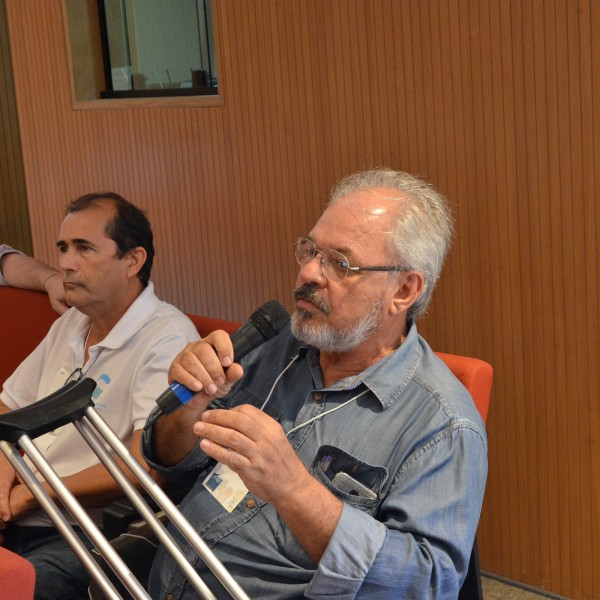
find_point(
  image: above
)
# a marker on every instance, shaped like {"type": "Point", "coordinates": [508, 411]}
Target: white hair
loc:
{"type": "Point", "coordinates": [422, 230]}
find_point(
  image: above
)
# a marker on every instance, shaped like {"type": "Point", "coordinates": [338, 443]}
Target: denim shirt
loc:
{"type": "Point", "coordinates": [415, 444]}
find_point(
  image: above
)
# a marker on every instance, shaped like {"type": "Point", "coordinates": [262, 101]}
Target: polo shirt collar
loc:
{"type": "Point", "coordinates": [128, 325]}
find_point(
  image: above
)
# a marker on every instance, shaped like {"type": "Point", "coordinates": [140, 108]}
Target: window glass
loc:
{"type": "Point", "coordinates": [157, 48]}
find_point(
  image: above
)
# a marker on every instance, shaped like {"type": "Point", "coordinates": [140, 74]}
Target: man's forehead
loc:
{"type": "Point", "coordinates": [366, 212]}
{"type": "Point", "coordinates": [86, 223]}
{"type": "Point", "coordinates": [371, 201]}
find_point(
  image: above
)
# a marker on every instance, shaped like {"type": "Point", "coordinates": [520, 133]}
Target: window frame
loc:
{"type": "Point", "coordinates": [144, 100]}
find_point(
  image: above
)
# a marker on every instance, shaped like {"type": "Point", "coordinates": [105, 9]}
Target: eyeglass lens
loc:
{"type": "Point", "coordinates": [333, 263]}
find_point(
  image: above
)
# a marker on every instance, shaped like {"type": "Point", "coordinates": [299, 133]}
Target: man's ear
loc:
{"type": "Point", "coordinates": [135, 260]}
{"type": "Point", "coordinates": [410, 287]}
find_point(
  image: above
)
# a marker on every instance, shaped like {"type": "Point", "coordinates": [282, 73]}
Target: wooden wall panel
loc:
{"type": "Point", "coordinates": [14, 216]}
{"type": "Point", "coordinates": [496, 102]}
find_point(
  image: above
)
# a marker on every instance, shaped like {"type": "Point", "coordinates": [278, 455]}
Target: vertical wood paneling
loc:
{"type": "Point", "coordinates": [496, 102]}
{"type": "Point", "coordinates": [14, 217]}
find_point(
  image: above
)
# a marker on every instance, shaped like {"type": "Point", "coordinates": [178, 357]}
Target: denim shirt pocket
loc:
{"type": "Point", "coordinates": [352, 480]}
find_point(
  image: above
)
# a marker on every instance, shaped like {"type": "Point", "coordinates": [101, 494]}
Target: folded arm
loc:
{"type": "Point", "coordinates": [19, 270]}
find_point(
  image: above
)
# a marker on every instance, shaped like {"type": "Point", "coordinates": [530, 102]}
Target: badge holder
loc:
{"type": "Point", "coordinates": [73, 404]}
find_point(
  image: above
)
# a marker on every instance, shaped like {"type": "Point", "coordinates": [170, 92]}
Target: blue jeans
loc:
{"type": "Point", "coordinates": [59, 573]}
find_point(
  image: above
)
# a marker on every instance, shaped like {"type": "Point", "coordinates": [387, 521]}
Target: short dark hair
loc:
{"type": "Point", "coordinates": [129, 228]}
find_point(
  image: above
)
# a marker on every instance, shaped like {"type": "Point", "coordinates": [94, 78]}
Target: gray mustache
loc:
{"type": "Point", "coordinates": [308, 291]}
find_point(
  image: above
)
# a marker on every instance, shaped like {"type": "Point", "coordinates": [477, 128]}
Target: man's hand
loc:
{"type": "Point", "coordinates": [255, 446]}
{"type": "Point", "coordinates": [207, 367]}
{"type": "Point", "coordinates": [22, 502]}
{"type": "Point", "coordinates": [56, 293]}
{"type": "Point", "coordinates": [7, 480]}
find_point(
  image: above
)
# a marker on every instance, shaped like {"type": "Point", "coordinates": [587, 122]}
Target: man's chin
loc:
{"type": "Point", "coordinates": [302, 314]}
{"type": "Point", "coordinates": [305, 329]}
{"type": "Point", "coordinates": [72, 298]}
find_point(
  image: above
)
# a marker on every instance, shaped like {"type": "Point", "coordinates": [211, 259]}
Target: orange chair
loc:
{"type": "Point", "coordinates": [17, 576]}
{"type": "Point", "coordinates": [476, 375]}
{"type": "Point", "coordinates": [205, 325]}
{"type": "Point", "coordinates": [26, 318]}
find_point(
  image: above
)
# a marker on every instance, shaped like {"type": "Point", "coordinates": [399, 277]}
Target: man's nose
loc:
{"type": "Point", "coordinates": [312, 272]}
{"type": "Point", "coordinates": [67, 261]}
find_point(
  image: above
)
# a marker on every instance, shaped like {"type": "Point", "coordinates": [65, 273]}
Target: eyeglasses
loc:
{"type": "Point", "coordinates": [334, 264]}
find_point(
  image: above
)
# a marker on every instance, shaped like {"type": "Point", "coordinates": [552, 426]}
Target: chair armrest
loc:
{"type": "Point", "coordinates": [120, 514]}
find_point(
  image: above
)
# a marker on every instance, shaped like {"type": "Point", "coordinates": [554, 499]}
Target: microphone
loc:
{"type": "Point", "coordinates": [263, 324]}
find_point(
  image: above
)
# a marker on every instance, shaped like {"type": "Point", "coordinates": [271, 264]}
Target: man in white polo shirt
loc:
{"type": "Point", "coordinates": [119, 334]}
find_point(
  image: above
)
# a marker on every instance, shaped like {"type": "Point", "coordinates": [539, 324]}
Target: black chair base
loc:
{"type": "Point", "coordinates": [471, 588]}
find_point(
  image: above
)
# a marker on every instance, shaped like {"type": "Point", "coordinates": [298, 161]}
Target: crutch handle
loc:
{"type": "Point", "coordinates": [59, 408]}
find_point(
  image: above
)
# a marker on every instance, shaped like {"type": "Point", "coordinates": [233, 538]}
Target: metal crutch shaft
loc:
{"type": "Point", "coordinates": [172, 512]}
{"type": "Point", "coordinates": [88, 432]}
{"type": "Point", "coordinates": [56, 516]}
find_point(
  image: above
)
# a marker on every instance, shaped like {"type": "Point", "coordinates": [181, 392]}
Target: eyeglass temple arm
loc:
{"type": "Point", "coordinates": [399, 268]}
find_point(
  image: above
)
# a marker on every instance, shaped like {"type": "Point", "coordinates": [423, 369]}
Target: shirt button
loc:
{"type": "Point", "coordinates": [317, 397]}
{"type": "Point", "coordinates": [250, 504]}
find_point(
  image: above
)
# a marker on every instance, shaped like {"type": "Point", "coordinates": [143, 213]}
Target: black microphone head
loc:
{"type": "Point", "coordinates": [270, 319]}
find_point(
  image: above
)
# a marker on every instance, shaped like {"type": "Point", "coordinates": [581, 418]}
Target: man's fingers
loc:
{"type": "Point", "coordinates": [204, 365]}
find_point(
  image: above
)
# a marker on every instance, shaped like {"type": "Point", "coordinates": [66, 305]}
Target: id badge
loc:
{"type": "Point", "coordinates": [225, 486]}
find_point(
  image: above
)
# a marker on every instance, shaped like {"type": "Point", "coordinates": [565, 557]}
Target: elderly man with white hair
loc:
{"type": "Point", "coordinates": [341, 459]}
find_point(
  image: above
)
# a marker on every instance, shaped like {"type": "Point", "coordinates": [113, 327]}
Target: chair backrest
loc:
{"type": "Point", "coordinates": [476, 375]}
{"type": "Point", "coordinates": [25, 317]}
{"type": "Point", "coordinates": [205, 325]}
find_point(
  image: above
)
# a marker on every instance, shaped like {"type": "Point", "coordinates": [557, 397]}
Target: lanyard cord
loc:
{"type": "Point", "coordinates": [277, 381]}
{"type": "Point", "coordinates": [326, 412]}
{"type": "Point", "coordinates": [315, 418]}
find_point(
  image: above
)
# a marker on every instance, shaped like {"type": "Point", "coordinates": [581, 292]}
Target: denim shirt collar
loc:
{"type": "Point", "coordinates": [386, 378]}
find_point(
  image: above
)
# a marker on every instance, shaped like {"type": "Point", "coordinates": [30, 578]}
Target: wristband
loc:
{"type": "Point", "coordinates": [49, 277]}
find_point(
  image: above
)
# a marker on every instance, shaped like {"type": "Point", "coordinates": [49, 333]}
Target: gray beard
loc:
{"type": "Point", "coordinates": [326, 338]}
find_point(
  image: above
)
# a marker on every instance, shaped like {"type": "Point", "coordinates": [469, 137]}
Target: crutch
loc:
{"type": "Point", "coordinates": [73, 404]}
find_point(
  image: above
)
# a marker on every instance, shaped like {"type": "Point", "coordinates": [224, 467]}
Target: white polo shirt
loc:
{"type": "Point", "coordinates": [129, 367]}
